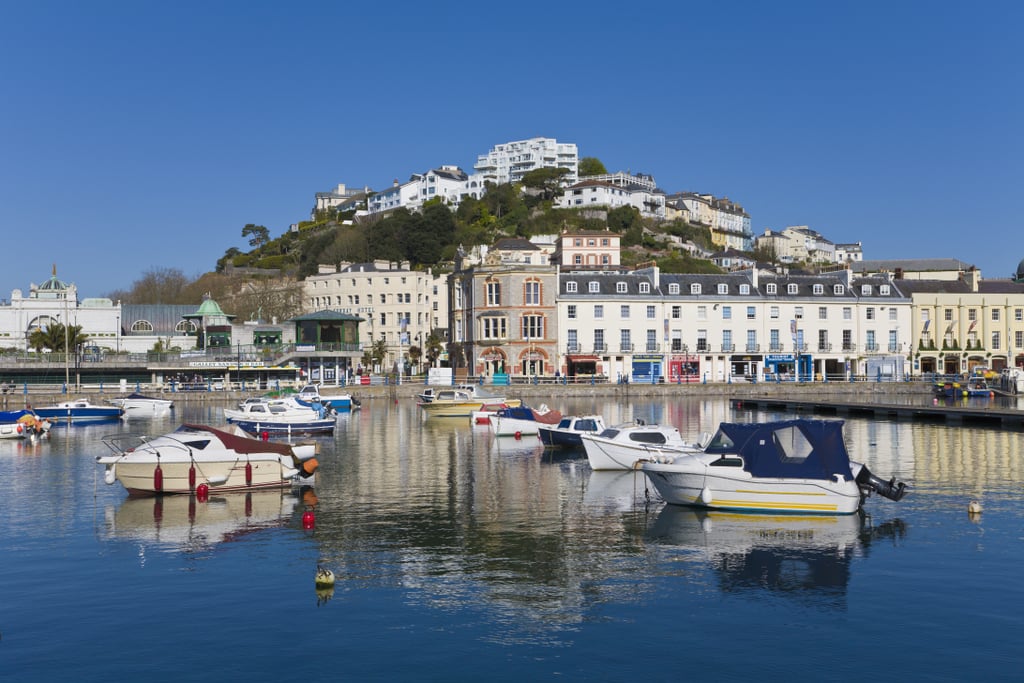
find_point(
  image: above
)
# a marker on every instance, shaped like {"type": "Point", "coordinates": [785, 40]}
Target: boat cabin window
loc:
{"type": "Point", "coordinates": [257, 408]}
{"type": "Point", "coordinates": [720, 442]}
{"type": "Point", "coordinates": [277, 409]}
{"type": "Point", "coordinates": [791, 444]}
{"type": "Point", "coordinates": [727, 461]}
{"type": "Point", "coordinates": [656, 438]}
{"type": "Point", "coordinates": [586, 426]}
{"type": "Point", "coordinates": [565, 423]}
{"type": "Point", "coordinates": [198, 445]}
{"type": "Point", "coordinates": [609, 433]}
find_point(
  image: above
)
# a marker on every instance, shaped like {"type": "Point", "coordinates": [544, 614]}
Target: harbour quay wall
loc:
{"type": "Point", "coordinates": [532, 394]}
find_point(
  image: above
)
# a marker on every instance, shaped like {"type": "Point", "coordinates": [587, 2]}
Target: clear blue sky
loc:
{"type": "Point", "coordinates": [140, 135]}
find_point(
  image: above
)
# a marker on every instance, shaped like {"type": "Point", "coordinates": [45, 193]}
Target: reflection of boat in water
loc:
{"type": "Point", "coordinates": [615, 489]}
{"type": "Point", "coordinates": [183, 523]}
{"type": "Point", "coordinates": [807, 557]}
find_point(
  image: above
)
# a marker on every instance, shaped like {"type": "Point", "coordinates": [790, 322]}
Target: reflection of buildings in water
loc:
{"type": "Point", "coordinates": [927, 453]}
{"type": "Point", "coordinates": [182, 523]}
{"type": "Point", "coordinates": [807, 558]}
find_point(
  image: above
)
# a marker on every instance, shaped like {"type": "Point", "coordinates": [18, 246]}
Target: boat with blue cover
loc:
{"type": "Point", "coordinates": [790, 466]}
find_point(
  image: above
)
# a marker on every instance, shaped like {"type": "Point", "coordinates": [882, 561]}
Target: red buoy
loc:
{"type": "Point", "coordinates": [158, 479]}
{"type": "Point", "coordinates": [202, 493]}
{"type": "Point", "coordinates": [519, 435]}
{"type": "Point", "coordinates": [265, 435]}
{"type": "Point", "coordinates": [248, 474]}
{"type": "Point", "coordinates": [308, 519]}
{"type": "Point", "coordinates": [192, 477]}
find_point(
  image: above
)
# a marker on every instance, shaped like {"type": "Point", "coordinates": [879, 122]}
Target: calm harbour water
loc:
{"type": "Point", "coordinates": [462, 557]}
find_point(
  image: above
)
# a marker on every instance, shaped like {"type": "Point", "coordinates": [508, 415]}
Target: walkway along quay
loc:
{"type": "Point", "coordinates": [982, 415]}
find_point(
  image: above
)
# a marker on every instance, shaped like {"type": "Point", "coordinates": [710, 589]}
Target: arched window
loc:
{"type": "Point", "coordinates": [185, 327]}
{"type": "Point", "coordinates": [142, 327]}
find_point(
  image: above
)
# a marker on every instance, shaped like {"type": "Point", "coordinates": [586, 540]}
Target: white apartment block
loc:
{"type": "Point", "coordinates": [399, 305]}
{"type": "Point", "coordinates": [509, 162]}
{"type": "Point", "coordinates": [645, 326]}
{"type": "Point", "coordinates": [589, 194]}
{"type": "Point", "coordinates": [339, 196]}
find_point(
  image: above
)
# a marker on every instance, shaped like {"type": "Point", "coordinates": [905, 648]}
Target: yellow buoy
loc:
{"type": "Point", "coordinates": [324, 577]}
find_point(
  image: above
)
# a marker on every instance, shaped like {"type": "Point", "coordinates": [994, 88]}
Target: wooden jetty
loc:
{"type": "Point", "coordinates": [998, 417]}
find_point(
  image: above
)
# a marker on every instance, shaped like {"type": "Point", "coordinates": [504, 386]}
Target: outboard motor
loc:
{"type": "Point", "coordinates": [869, 483]}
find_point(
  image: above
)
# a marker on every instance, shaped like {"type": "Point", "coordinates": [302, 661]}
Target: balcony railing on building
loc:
{"type": "Point", "coordinates": [753, 348]}
{"type": "Point", "coordinates": [626, 347]}
{"type": "Point", "coordinates": [824, 347]}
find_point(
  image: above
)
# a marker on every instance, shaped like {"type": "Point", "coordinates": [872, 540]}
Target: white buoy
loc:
{"type": "Point", "coordinates": [974, 507]}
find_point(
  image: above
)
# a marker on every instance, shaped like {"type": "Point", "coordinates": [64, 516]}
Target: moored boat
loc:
{"type": "Point", "coordinates": [569, 430]}
{"type": "Point", "coordinates": [785, 466]}
{"type": "Point", "coordinates": [140, 405]}
{"type": "Point", "coordinates": [462, 402]}
{"type": "Point", "coordinates": [338, 401]}
{"type": "Point", "coordinates": [522, 421]}
{"type": "Point", "coordinates": [622, 446]}
{"type": "Point", "coordinates": [22, 424]}
{"type": "Point", "coordinates": [79, 410]}
{"type": "Point", "coordinates": [193, 456]}
{"type": "Point", "coordinates": [281, 416]}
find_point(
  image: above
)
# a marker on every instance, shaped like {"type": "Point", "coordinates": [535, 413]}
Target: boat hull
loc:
{"type": "Point", "coordinates": [693, 484]}
{"type": "Point", "coordinates": [138, 478]}
{"type": "Point", "coordinates": [511, 426]}
{"type": "Point", "coordinates": [569, 432]}
{"type": "Point", "coordinates": [258, 427]}
{"type": "Point", "coordinates": [441, 408]}
{"type": "Point", "coordinates": [93, 414]}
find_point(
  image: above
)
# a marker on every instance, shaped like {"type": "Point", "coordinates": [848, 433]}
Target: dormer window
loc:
{"type": "Point", "coordinates": [865, 290]}
{"type": "Point", "coordinates": [695, 288]}
{"type": "Point", "coordinates": [791, 288]}
{"type": "Point", "coordinates": [819, 289]}
{"type": "Point", "coordinates": [570, 287]}
{"type": "Point", "coordinates": [620, 287]}
{"type": "Point", "coordinates": [838, 289]}
{"type": "Point", "coordinates": [673, 288]}
{"type": "Point", "coordinates": [593, 286]}
{"type": "Point", "coordinates": [723, 289]}
{"type": "Point", "coordinates": [771, 288]}
{"type": "Point", "coordinates": [645, 287]}
{"type": "Point", "coordinates": [744, 289]}
{"type": "Point", "coordinates": [883, 290]}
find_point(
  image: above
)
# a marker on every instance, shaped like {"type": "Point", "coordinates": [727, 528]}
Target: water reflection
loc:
{"type": "Point", "coordinates": [804, 558]}
{"type": "Point", "coordinates": [184, 524]}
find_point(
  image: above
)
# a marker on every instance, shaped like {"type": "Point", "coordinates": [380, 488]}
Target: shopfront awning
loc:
{"type": "Point", "coordinates": [583, 359]}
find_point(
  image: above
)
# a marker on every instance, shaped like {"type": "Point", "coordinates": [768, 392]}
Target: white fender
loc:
{"type": "Point", "coordinates": [109, 476]}
{"type": "Point", "coordinates": [705, 496]}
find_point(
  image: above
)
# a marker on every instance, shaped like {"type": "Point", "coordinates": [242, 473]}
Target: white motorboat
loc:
{"type": "Point", "coordinates": [570, 429]}
{"type": "Point", "coordinates": [338, 401]}
{"type": "Point", "coordinates": [622, 446]}
{"type": "Point", "coordinates": [139, 405]}
{"type": "Point", "coordinates": [522, 421]}
{"type": "Point", "coordinates": [194, 456]}
{"type": "Point", "coordinates": [281, 416]}
{"type": "Point", "coordinates": [785, 466]}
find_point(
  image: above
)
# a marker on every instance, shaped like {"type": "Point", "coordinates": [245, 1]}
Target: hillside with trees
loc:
{"type": "Point", "coordinates": [266, 280]}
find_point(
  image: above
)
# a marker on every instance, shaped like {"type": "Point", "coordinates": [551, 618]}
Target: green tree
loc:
{"type": "Point", "coordinates": [56, 338]}
{"type": "Point", "coordinates": [257, 234]}
{"type": "Point", "coordinates": [434, 349]}
{"type": "Point", "coordinates": [591, 166]}
{"type": "Point", "coordinates": [545, 181]}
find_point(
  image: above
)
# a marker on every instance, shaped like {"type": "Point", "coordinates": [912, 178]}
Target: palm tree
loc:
{"type": "Point", "coordinates": [57, 338]}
